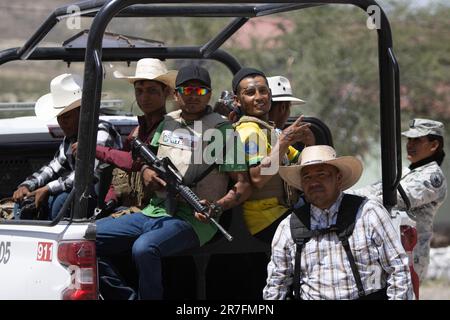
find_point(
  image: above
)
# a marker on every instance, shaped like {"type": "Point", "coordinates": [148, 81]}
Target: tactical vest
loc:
{"type": "Point", "coordinates": [275, 187]}
{"type": "Point", "coordinates": [178, 141]}
{"type": "Point", "coordinates": [129, 185]}
{"type": "Point", "coordinates": [346, 219]}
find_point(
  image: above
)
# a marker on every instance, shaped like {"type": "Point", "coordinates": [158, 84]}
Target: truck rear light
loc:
{"type": "Point", "coordinates": [81, 260]}
{"type": "Point", "coordinates": [409, 241]}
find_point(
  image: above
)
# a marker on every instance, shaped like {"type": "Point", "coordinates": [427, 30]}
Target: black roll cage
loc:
{"type": "Point", "coordinates": [93, 55]}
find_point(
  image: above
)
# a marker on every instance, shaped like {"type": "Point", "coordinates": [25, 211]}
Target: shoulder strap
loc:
{"type": "Point", "coordinates": [301, 224]}
{"type": "Point", "coordinates": [260, 122]}
{"type": "Point", "coordinates": [301, 233]}
{"type": "Point", "coordinates": [212, 166]}
{"type": "Point", "coordinates": [345, 223]}
{"type": "Point", "coordinates": [213, 119]}
{"type": "Point", "coordinates": [271, 132]}
{"type": "Point", "coordinates": [346, 218]}
{"type": "Point", "coordinates": [300, 228]}
{"type": "Point", "coordinates": [404, 197]}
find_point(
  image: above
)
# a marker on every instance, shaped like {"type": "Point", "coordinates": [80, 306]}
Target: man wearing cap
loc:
{"type": "Point", "coordinates": [345, 246]}
{"type": "Point", "coordinates": [54, 181]}
{"type": "Point", "coordinates": [282, 100]}
{"type": "Point", "coordinates": [265, 148]}
{"type": "Point", "coordinates": [153, 84]}
{"type": "Point", "coordinates": [423, 183]}
{"type": "Point", "coordinates": [158, 232]}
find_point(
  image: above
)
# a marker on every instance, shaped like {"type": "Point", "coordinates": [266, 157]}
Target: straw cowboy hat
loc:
{"type": "Point", "coordinates": [65, 95]}
{"type": "Point", "coordinates": [350, 167]}
{"type": "Point", "coordinates": [150, 69]}
{"type": "Point", "coordinates": [282, 90]}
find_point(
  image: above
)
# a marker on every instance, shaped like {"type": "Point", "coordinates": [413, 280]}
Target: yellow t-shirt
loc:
{"type": "Point", "coordinates": [257, 144]}
{"type": "Point", "coordinates": [259, 214]}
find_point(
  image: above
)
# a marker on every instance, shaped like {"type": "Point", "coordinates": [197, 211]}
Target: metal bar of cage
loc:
{"type": "Point", "coordinates": [105, 10]}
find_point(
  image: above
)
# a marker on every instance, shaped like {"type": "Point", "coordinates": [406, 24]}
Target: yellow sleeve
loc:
{"type": "Point", "coordinates": [292, 154]}
{"type": "Point", "coordinates": [254, 141]}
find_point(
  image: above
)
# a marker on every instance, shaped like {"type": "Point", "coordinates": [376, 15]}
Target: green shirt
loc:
{"type": "Point", "coordinates": [233, 161]}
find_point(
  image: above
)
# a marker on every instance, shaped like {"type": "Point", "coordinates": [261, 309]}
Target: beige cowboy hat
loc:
{"type": "Point", "coordinates": [282, 90]}
{"type": "Point", "coordinates": [150, 69]}
{"type": "Point", "coordinates": [350, 167]}
{"type": "Point", "coordinates": [65, 95]}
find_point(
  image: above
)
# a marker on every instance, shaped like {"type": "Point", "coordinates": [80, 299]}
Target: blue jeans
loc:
{"type": "Point", "coordinates": [150, 239]}
{"type": "Point", "coordinates": [55, 203]}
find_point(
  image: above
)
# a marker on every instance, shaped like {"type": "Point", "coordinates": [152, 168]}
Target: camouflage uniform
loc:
{"type": "Point", "coordinates": [426, 189]}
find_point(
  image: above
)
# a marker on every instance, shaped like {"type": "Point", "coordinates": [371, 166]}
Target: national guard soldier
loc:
{"type": "Point", "coordinates": [423, 183]}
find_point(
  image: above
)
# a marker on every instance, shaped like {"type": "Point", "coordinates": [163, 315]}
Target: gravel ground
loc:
{"type": "Point", "coordinates": [435, 290]}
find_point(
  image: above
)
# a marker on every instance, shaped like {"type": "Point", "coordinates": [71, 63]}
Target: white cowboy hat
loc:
{"type": "Point", "coordinates": [282, 90]}
{"type": "Point", "coordinates": [65, 95]}
{"type": "Point", "coordinates": [350, 167]}
{"type": "Point", "coordinates": [151, 69]}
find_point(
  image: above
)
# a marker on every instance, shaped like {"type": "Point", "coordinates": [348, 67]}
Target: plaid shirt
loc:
{"type": "Point", "coordinates": [59, 174]}
{"type": "Point", "coordinates": [325, 269]}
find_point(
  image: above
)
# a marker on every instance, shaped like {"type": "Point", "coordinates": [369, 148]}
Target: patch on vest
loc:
{"type": "Point", "coordinates": [251, 148]}
{"type": "Point", "coordinates": [436, 180]}
{"type": "Point", "coordinates": [177, 139]}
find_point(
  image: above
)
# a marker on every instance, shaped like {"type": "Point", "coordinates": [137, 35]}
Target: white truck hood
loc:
{"type": "Point", "coordinates": [31, 129]}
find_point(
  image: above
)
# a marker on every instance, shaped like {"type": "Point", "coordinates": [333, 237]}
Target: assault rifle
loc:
{"type": "Point", "coordinates": [167, 171]}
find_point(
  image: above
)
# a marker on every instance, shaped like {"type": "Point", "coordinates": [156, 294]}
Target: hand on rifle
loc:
{"type": "Point", "coordinates": [202, 217]}
{"type": "Point", "coordinates": [151, 179]}
{"type": "Point", "coordinates": [105, 210]}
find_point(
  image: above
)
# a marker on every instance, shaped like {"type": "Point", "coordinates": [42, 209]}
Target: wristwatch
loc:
{"type": "Point", "coordinates": [215, 210]}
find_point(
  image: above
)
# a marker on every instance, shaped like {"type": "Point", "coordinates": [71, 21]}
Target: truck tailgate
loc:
{"type": "Point", "coordinates": [29, 265]}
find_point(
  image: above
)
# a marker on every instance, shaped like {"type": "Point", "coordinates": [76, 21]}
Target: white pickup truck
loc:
{"type": "Point", "coordinates": [42, 262]}
{"type": "Point", "coordinates": [57, 259]}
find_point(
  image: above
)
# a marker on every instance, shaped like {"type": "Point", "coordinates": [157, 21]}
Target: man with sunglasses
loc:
{"type": "Point", "coordinates": [423, 185]}
{"type": "Point", "coordinates": [155, 233]}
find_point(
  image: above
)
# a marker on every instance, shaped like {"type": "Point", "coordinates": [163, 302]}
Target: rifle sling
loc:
{"type": "Point", "coordinates": [404, 197]}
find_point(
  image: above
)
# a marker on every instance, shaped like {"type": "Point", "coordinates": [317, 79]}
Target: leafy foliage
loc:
{"type": "Point", "coordinates": [327, 52]}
